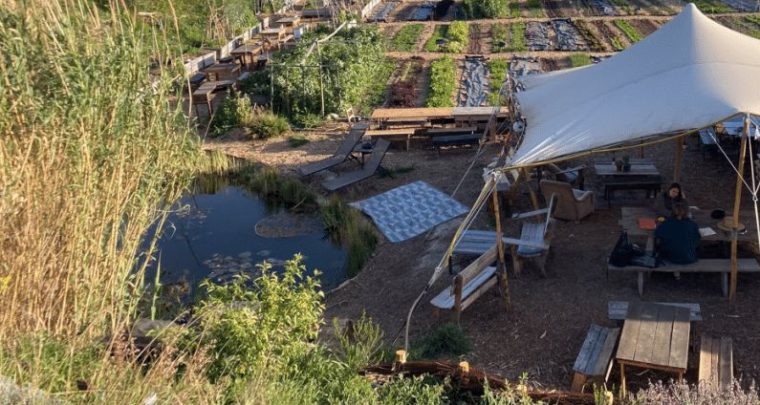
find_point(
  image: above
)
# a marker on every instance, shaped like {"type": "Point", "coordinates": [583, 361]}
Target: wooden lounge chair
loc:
{"type": "Point", "coordinates": [344, 151]}
{"type": "Point", "coordinates": [369, 169]}
{"type": "Point", "coordinates": [573, 204]}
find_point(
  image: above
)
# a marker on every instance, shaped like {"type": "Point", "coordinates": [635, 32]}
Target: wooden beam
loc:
{"type": "Point", "coordinates": [533, 197]}
{"type": "Point", "coordinates": [679, 159]}
{"type": "Point", "coordinates": [737, 205]}
{"type": "Point", "coordinates": [502, 268]}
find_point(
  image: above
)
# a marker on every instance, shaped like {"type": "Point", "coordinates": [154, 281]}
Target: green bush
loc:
{"type": "Point", "coordinates": [234, 112]}
{"type": "Point", "coordinates": [267, 125]}
{"type": "Point", "coordinates": [307, 120]}
{"type": "Point", "coordinates": [442, 82]}
{"type": "Point", "coordinates": [445, 341]}
{"type": "Point", "coordinates": [413, 390]}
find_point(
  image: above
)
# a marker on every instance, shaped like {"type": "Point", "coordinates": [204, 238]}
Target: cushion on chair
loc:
{"type": "Point", "coordinates": [580, 194]}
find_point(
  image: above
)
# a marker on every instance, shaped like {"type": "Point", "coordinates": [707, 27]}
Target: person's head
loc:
{"type": "Point", "coordinates": [674, 191]}
{"type": "Point", "coordinates": [680, 210]}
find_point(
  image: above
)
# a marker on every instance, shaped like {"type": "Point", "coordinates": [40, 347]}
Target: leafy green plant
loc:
{"type": "Point", "coordinates": [500, 42]}
{"type": "Point", "coordinates": [442, 82]}
{"type": "Point", "coordinates": [458, 36]}
{"type": "Point", "coordinates": [406, 38]}
{"type": "Point", "coordinates": [438, 36]}
{"type": "Point", "coordinates": [234, 112]}
{"type": "Point", "coordinates": [485, 8]}
{"type": "Point", "coordinates": [444, 341]}
{"type": "Point", "coordinates": [413, 390]}
{"type": "Point", "coordinates": [497, 68]}
{"type": "Point", "coordinates": [268, 125]}
{"type": "Point", "coordinates": [631, 32]}
{"type": "Point", "coordinates": [517, 38]}
{"type": "Point", "coordinates": [296, 141]}
{"type": "Point", "coordinates": [307, 120]}
{"type": "Point", "coordinates": [580, 59]}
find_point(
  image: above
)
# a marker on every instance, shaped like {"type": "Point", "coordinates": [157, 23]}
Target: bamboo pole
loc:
{"type": "Point", "coordinates": [737, 205]}
{"type": "Point", "coordinates": [679, 159]}
{"type": "Point", "coordinates": [503, 282]}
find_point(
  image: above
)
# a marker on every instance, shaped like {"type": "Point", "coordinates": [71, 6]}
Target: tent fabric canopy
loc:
{"type": "Point", "coordinates": [690, 73]}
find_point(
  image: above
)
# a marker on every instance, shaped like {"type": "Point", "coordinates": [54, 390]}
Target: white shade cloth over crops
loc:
{"type": "Point", "coordinates": [690, 73]}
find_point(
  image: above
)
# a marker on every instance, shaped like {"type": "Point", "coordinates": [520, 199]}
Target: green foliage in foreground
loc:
{"type": "Point", "coordinates": [406, 38]}
{"type": "Point", "coordinates": [486, 8]}
{"type": "Point", "coordinates": [442, 83]}
{"type": "Point", "coordinates": [448, 340]}
{"type": "Point", "coordinates": [266, 125]}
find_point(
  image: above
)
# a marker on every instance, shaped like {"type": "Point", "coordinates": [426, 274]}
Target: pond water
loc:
{"type": "Point", "coordinates": [211, 233]}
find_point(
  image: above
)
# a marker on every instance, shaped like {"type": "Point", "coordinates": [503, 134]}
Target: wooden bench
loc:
{"type": "Point", "coordinates": [616, 310]}
{"type": "Point", "coordinates": [594, 361]}
{"type": "Point", "coordinates": [722, 266]}
{"type": "Point", "coordinates": [716, 361]}
{"type": "Point", "coordinates": [470, 284]}
{"type": "Point", "coordinates": [396, 134]}
{"type": "Point", "coordinates": [433, 132]}
{"type": "Point", "coordinates": [454, 137]}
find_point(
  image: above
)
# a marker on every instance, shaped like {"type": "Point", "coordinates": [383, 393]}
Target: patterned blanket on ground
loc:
{"type": "Point", "coordinates": [407, 211]}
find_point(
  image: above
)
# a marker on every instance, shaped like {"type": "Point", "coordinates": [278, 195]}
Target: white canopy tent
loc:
{"type": "Point", "coordinates": [690, 73]}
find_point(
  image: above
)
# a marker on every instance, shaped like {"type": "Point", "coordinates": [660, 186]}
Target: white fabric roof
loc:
{"type": "Point", "coordinates": [690, 73]}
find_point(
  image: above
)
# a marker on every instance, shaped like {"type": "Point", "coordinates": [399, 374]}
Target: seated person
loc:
{"type": "Point", "coordinates": [663, 204]}
{"type": "Point", "coordinates": [678, 237]}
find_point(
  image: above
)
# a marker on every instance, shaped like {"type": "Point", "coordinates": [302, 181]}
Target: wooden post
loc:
{"type": "Point", "coordinates": [533, 198]}
{"type": "Point", "coordinates": [622, 380]}
{"type": "Point", "coordinates": [457, 297]}
{"type": "Point", "coordinates": [503, 282]}
{"type": "Point", "coordinates": [679, 158]}
{"type": "Point", "coordinates": [737, 205]}
{"type": "Point", "coordinates": [321, 84]}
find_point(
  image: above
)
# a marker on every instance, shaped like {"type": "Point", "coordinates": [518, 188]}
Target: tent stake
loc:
{"type": "Point", "coordinates": [737, 204]}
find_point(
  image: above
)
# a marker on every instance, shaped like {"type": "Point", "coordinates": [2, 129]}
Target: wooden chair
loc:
{"type": "Point", "coordinates": [537, 229]}
{"type": "Point", "coordinates": [573, 175]}
{"type": "Point", "coordinates": [470, 284]}
{"type": "Point", "coordinates": [573, 204]}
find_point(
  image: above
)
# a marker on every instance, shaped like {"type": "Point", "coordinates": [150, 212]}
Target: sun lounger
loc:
{"type": "Point", "coordinates": [340, 155]}
{"type": "Point", "coordinates": [378, 152]}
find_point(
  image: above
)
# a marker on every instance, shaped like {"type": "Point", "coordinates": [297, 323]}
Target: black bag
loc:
{"type": "Point", "coordinates": [623, 251]}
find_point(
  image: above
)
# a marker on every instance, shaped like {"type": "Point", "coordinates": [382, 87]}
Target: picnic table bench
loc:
{"type": "Point", "coordinates": [716, 361]}
{"type": "Point", "coordinates": [594, 361]}
{"type": "Point", "coordinates": [722, 266]}
{"type": "Point", "coordinates": [396, 134]}
{"type": "Point", "coordinates": [204, 94]}
{"type": "Point", "coordinates": [616, 310]}
{"type": "Point", "coordinates": [454, 136]}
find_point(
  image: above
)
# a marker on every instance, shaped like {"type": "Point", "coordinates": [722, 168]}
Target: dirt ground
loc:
{"type": "Point", "coordinates": [545, 327]}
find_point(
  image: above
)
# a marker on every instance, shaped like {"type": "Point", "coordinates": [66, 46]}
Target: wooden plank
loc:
{"type": "Point", "coordinates": [705, 359]}
{"type": "Point", "coordinates": [475, 268]}
{"type": "Point", "coordinates": [679, 344]}
{"type": "Point", "coordinates": [605, 355]}
{"type": "Point", "coordinates": [714, 361]}
{"type": "Point", "coordinates": [616, 310]}
{"type": "Point", "coordinates": [627, 346]}
{"type": "Point", "coordinates": [726, 362]}
{"type": "Point", "coordinates": [662, 336]}
{"type": "Point", "coordinates": [482, 289]}
{"type": "Point", "coordinates": [644, 344]}
{"type": "Point", "coordinates": [747, 265]}
{"type": "Point", "coordinates": [592, 336]}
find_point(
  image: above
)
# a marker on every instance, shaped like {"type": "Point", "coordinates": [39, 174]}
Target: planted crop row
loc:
{"type": "Point", "coordinates": [499, 40]}
{"type": "Point", "coordinates": [452, 38]}
{"type": "Point", "coordinates": [593, 42]}
{"type": "Point", "coordinates": [517, 39]}
{"type": "Point", "coordinates": [631, 32]}
{"type": "Point", "coordinates": [406, 38]}
{"type": "Point", "coordinates": [535, 8]}
{"type": "Point", "coordinates": [712, 7]}
{"type": "Point", "coordinates": [497, 68]}
{"type": "Point", "coordinates": [442, 82]}
{"type": "Point", "coordinates": [485, 8]}
{"type": "Point", "coordinates": [580, 59]}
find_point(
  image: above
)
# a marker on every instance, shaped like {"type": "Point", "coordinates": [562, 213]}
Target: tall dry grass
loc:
{"type": "Point", "coordinates": [90, 148]}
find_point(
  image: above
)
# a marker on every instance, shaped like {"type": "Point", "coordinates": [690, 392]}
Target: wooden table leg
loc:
{"type": "Point", "coordinates": [622, 380]}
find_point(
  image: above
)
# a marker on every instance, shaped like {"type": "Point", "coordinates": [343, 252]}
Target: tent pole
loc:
{"type": "Point", "coordinates": [503, 283]}
{"type": "Point", "coordinates": [533, 198]}
{"type": "Point", "coordinates": [679, 158]}
{"type": "Point", "coordinates": [737, 204]}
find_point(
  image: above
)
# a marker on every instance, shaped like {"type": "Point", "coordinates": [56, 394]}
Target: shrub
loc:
{"type": "Point", "coordinates": [442, 82]}
{"type": "Point", "coordinates": [307, 120]}
{"type": "Point", "coordinates": [267, 125]}
{"type": "Point", "coordinates": [413, 390]}
{"type": "Point", "coordinates": [234, 112]}
{"type": "Point", "coordinates": [446, 340]}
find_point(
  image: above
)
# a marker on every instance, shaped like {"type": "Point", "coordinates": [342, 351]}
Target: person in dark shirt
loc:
{"type": "Point", "coordinates": [663, 204]}
{"type": "Point", "coordinates": [678, 237]}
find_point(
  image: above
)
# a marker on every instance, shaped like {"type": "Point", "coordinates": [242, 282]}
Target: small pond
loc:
{"type": "Point", "coordinates": [212, 233]}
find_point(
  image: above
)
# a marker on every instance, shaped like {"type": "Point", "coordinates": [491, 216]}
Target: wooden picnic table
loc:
{"type": "Point", "coordinates": [655, 337]}
{"type": "Point", "coordinates": [643, 175]}
{"type": "Point", "coordinates": [246, 53]}
{"type": "Point", "coordinates": [629, 220]}
{"type": "Point", "coordinates": [289, 23]}
{"type": "Point", "coordinates": [204, 94]}
{"type": "Point", "coordinates": [398, 133]}
{"type": "Point", "coordinates": [225, 70]}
